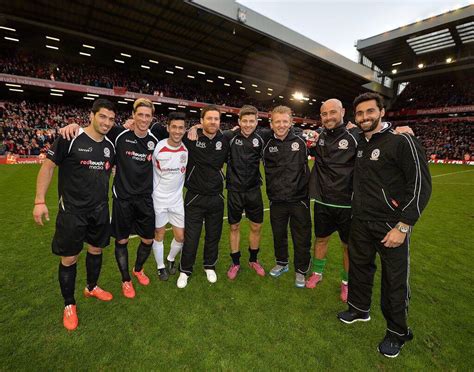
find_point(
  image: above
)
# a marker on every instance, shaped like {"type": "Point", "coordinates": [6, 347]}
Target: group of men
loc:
{"type": "Point", "coordinates": [369, 184]}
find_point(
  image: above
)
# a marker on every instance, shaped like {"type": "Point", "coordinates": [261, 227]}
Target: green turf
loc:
{"type": "Point", "coordinates": [251, 324]}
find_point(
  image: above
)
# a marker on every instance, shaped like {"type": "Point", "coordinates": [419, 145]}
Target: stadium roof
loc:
{"type": "Point", "coordinates": [221, 35]}
{"type": "Point", "coordinates": [435, 45]}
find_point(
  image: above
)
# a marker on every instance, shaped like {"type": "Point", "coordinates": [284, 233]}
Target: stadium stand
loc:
{"type": "Point", "coordinates": [29, 128]}
{"type": "Point", "coordinates": [64, 69]}
{"type": "Point", "coordinates": [441, 137]}
{"type": "Point", "coordinates": [436, 92]}
{"type": "Point", "coordinates": [428, 66]}
{"type": "Point", "coordinates": [445, 140]}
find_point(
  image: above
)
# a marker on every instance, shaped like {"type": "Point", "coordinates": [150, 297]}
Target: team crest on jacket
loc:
{"type": "Point", "coordinates": [295, 146]}
{"type": "Point", "coordinates": [182, 158]}
{"type": "Point", "coordinates": [343, 144]}
{"type": "Point", "coordinates": [375, 154]}
{"type": "Point", "coordinates": [106, 152]}
{"type": "Point", "coordinates": [218, 145]}
{"type": "Point", "coordinates": [321, 142]}
{"type": "Point", "coordinates": [255, 142]}
{"type": "Point", "coordinates": [151, 145]}
{"type": "Point", "coordinates": [359, 153]}
{"type": "Point", "coordinates": [239, 142]}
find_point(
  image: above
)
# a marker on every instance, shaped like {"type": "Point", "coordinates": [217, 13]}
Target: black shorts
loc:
{"type": "Point", "coordinates": [133, 216]}
{"type": "Point", "coordinates": [329, 219]}
{"type": "Point", "coordinates": [250, 201]}
{"type": "Point", "coordinates": [73, 230]}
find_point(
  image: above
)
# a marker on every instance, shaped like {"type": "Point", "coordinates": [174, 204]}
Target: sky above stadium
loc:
{"type": "Point", "coordinates": [337, 24]}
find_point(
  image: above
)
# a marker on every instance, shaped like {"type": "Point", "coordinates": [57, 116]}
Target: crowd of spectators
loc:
{"type": "Point", "coordinates": [436, 92]}
{"type": "Point", "coordinates": [138, 80]}
{"type": "Point", "coordinates": [442, 140]}
{"type": "Point", "coordinates": [429, 93]}
{"type": "Point", "coordinates": [29, 128]}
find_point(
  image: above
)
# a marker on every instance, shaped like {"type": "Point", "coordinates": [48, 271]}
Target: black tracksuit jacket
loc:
{"type": "Point", "coordinates": [204, 174]}
{"type": "Point", "coordinates": [334, 158]}
{"type": "Point", "coordinates": [243, 165]}
{"type": "Point", "coordinates": [286, 168]}
{"type": "Point", "coordinates": [392, 182]}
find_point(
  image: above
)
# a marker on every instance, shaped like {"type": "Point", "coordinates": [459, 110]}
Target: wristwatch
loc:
{"type": "Point", "coordinates": [402, 228]}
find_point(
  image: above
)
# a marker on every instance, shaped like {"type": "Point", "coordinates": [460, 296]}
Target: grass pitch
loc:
{"type": "Point", "coordinates": [251, 324]}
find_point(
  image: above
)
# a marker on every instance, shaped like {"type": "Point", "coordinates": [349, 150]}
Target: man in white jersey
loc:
{"type": "Point", "coordinates": [169, 168]}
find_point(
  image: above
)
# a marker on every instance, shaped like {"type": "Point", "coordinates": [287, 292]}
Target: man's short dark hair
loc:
{"type": "Point", "coordinates": [369, 97]}
{"type": "Point", "coordinates": [248, 110]}
{"type": "Point", "coordinates": [102, 103]}
{"type": "Point", "coordinates": [176, 115]}
{"type": "Point", "coordinates": [208, 108]}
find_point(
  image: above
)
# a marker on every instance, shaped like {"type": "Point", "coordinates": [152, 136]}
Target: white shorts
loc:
{"type": "Point", "coordinates": [173, 215]}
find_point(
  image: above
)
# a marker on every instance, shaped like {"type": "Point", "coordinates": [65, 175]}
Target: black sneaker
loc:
{"type": "Point", "coordinates": [351, 316]}
{"type": "Point", "coordinates": [171, 268]}
{"type": "Point", "coordinates": [392, 344]}
{"type": "Point", "coordinates": [163, 274]}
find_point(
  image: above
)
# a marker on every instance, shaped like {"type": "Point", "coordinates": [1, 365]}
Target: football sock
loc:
{"type": "Point", "coordinates": [121, 256]}
{"type": "Point", "coordinates": [93, 266]}
{"type": "Point", "coordinates": [158, 253]}
{"type": "Point", "coordinates": [344, 276]}
{"type": "Point", "coordinates": [235, 258]}
{"type": "Point", "coordinates": [143, 252]}
{"type": "Point", "coordinates": [253, 254]}
{"type": "Point", "coordinates": [318, 265]}
{"type": "Point", "coordinates": [67, 282]}
{"type": "Point", "coordinates": [174, 250]}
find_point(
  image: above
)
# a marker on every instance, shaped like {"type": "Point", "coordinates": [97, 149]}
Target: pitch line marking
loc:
{"type": "Point", "coordinates": [267, 209]}
{"type": "Point", "coordinates": [453, 183]}
{"type": "Point", "coordinates": [447, 174]}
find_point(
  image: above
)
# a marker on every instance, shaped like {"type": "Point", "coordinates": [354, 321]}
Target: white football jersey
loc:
{"type": "Point", "coordinates": [169, 170]}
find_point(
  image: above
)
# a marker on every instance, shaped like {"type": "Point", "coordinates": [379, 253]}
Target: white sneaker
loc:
{"type": "Point", "coordinates": [182, 280]}
{"type": "Point", "coordinates": [211, 276]}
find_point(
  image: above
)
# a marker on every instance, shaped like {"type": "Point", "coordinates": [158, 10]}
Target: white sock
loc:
{"type": "Point", "coordinates": [158, 253]}
{"type": "Point", "coordinates": [174, 250]}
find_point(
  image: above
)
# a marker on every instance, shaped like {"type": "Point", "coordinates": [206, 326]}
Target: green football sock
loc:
{"type": "Point", "coordinates": [318, 265]}
{"type": "Point", "coordinates": [344, 275]}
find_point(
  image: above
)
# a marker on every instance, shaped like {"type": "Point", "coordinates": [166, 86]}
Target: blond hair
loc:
{"type": "Point", "coordinates": [282, 110]}
{"type": "Point", "coordinates": [143, 102]}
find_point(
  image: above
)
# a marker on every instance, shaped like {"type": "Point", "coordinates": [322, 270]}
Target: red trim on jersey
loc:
{"type": "Point", "coordinates": [166, 149]}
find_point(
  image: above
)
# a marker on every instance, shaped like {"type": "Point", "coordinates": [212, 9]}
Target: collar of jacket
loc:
{"type": "Point", "coordinates": [386, 127]}
{"type": "Point", "coordinates": [335, 131]}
